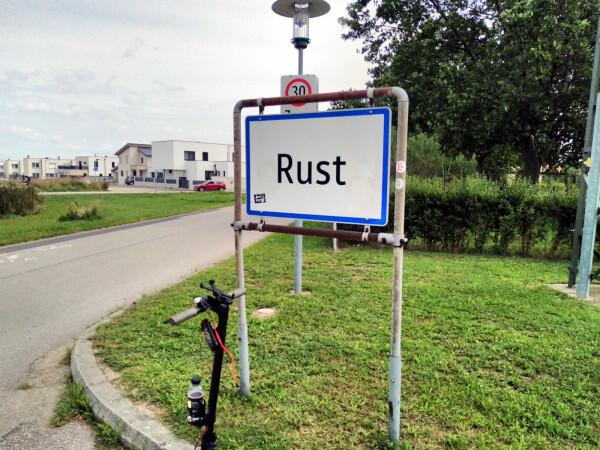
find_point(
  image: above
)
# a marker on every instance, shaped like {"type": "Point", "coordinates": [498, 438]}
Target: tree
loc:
{"type": "Point", "coordinates": [506, 80]}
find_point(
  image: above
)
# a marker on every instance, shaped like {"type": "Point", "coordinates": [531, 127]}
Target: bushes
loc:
{"type": "Point", "coordinates": [18, 200]}
{"type": "Point", "coordinates": [69, 185]}
{"type": "Point", "coordinates": [76, 212]}
{"type": "Point", "coordinates": [425, 159]}
{"type": "Point", "coordinates": [477, 215]}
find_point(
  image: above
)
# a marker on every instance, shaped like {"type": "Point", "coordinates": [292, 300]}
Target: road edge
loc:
{"type": "Point", "coordinates": [137, 430]}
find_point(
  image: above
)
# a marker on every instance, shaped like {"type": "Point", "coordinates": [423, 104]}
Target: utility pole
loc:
{"type": "Point", "coordinates": [584, 180]}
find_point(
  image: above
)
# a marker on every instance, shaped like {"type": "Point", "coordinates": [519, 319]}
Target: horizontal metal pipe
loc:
{"type": "Point", "coordinates": [318, 232]}
{"type": "Point", "coordinates": [314, 98]}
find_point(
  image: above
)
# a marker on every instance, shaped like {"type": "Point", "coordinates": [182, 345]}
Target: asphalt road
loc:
{"type": "Point", "coordinates": [51, 290]}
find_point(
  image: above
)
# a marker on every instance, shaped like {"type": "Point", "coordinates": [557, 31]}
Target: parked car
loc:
{"type": "Point", "coordinates": [210, 186]}
{"type": "Point", "coordinates": [129, 180]}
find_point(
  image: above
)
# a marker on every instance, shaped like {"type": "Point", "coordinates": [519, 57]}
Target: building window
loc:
{"type": "Point", "coordinates": [189, 156]}
{"type": "Point", "coordinates": [96, 164]}
{"type": "Point", "coordinates": [15, 166]}
{"type": "Point", "coordinates": [36, 175]}
{"type": "Point", "coordinates": [50, 175]}
{"type": "Point", "coordinates": [36, 165]}
{"type": "Point", "coordinates": [121, 173]}
{"type": "Point", "coordinates": [113, 164]}
{"type": "Point", "coordinates": [134, 172]}
{"type": "Point", "coordinates": [204, 156]}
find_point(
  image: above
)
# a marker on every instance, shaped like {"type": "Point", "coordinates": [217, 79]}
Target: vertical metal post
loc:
{"type": "Point", "coordinates": [298, 238]}
{"type": "Point", "coordinates": [334, 240]}
{"type": "Point", "coordinates": [239, 252]}
{"type": "Point", "coordinates": [400, 190]}
{"type": "Point", "coordinates": [583, 179]}
{"type": "Point", "coordinates": [590, 220]}
{"type": "Point", "coordinates": [298, 260]}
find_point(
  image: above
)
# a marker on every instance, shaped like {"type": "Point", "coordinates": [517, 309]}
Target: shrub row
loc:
{"type": "Point", "coordinates": [477, 215]}
{"type": "Point", "coordinates": [68, 185]}
{"type": "Point", "coordinates": [18, 200]}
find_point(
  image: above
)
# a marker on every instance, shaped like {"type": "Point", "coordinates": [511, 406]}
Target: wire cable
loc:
{"type": "Point", "coordinates": [223, 347]}
{"type": "Point", "coordinates": [200, 438]}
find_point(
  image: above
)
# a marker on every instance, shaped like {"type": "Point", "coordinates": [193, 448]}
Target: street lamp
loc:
{"type": "Point", "coordinates": [301, 12]}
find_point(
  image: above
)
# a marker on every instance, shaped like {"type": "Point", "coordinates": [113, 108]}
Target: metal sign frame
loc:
{"type": "Point", "coordinates": [351, 134]}
{"type": "Point", "coordinates": [396, 239]}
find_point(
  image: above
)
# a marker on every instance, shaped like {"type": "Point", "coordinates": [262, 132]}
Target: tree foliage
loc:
{"type": "Point", "coordinates": [505, 80]}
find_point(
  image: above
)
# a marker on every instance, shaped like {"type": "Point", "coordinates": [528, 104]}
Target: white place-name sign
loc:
{"type": "Point", "coordinates": [330, 166]}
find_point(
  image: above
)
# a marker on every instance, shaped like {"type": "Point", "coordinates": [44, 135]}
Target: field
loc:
{"type": "Point", "coordinates": [491, 356]}
{"type": "Point", "coordinates": [113, 209]}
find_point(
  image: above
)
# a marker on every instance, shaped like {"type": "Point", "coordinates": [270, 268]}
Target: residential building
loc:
{"type": "Point", "coordinates": [184, 163]}
{"type": "Point", "coordinates": [134, 160]}
{"type": "Point", "coordinates": [11, 168]}
{"type": "Point", "coordinates": [97, 166]}
{"type": "Point", "coordinates": [81, 166]}
{"type": "Point", "coordinates": [41, 167]}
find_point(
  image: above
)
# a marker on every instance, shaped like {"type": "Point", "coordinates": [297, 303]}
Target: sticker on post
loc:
{"type": "Point", "coordinates": [260, 198]}
{"type": "Point", "coordinates": [399, 184]}
{"type": "Point", "coordinates": [401, 166]}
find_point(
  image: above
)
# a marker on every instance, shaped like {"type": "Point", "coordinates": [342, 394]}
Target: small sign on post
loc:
{"type": "Point", "coordinates": [292, 85]}
{"type": "Point", "coordinates": [331, 166]}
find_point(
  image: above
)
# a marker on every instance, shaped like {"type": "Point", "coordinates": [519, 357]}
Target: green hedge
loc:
{"type": "Point", "coordinates": [477, 215]}
{"type": "Point", "coordinates": [18, 200]}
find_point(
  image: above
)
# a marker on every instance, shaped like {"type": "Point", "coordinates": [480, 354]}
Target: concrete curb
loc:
{"type": "Point", "coordinates": [137, 430]}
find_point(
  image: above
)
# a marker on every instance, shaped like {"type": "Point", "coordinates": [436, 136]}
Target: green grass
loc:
{"type": "Point", "coordinates": [491, 357]}
{"type": "Point", "coordinates": [73, 404]}
{"type": "Point", "coordinates": [114, 209]}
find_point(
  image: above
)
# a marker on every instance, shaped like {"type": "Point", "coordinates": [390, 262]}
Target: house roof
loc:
{"type": "Point", "coordinates": [146, 151]}
{"type": "Point", "coordinates": [139, 146]}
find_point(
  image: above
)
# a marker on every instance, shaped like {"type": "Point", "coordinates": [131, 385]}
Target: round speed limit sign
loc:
{"type": "Point", "coordinates": [293, 85]}
{"type": "Point", "coordinates": [298, 86]}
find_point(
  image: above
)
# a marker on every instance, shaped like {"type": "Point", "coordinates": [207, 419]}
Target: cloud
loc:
{"type": "Point", "coordinates": [138, 46]}
{"type": "Point", "coordinates": [24, 133]}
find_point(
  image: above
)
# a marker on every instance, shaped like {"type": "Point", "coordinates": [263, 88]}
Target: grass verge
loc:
{"type": "Point", "coordinates": [117, 209]}
{"type": "Point", "coordinates": [74, 405]}
{"type": "Point", "coordinates": [491, 356]}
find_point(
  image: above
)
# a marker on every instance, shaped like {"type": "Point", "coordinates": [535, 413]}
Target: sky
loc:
{"type": "Point", "coordinates": [85, 77]}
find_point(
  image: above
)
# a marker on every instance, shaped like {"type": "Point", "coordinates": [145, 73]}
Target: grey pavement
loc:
{"type": "Point", "coordinates": [593, 298]}
{"type": "Point", "coordinates": [137, 430]}
{"type": "Point", "coordinates": [53, 289]}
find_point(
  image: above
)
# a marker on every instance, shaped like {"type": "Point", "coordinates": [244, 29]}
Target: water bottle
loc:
{"type": "Point", "coordinates": [196, 404]}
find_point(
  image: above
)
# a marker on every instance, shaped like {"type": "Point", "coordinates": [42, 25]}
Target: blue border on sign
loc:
{"type": "Point", "coordinates": [378, 221]}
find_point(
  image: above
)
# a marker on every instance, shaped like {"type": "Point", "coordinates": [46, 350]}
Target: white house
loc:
{"type": "Point", "coordinates": [81, 166]}
{"type": "Point", "coordinates": [97, 166]}
{"type": "Point", "coordinates": [134, 160]}
{"type": "Point", "coordinates": [11, 168]}
{"type": "Point", "coordinates": [183, 164]}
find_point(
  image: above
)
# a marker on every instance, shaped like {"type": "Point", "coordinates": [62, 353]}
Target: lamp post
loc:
{"type": "Point", "coordinates": [300, 12]}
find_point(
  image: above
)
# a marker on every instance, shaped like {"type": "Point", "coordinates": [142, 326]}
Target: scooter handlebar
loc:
{"type": "Point", "coordinates": [182, 316]}
{"type": "Point", "coordinates": [192, 312]}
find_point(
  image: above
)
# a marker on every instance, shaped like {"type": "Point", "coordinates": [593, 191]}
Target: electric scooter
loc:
{"type": "Point", "coordinates": [219, 302]}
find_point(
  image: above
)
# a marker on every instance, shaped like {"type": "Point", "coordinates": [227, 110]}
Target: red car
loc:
{"type": "Point", "coordinates": [210, 186]}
